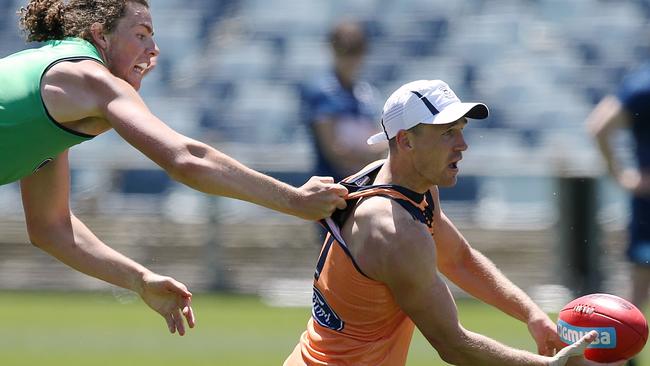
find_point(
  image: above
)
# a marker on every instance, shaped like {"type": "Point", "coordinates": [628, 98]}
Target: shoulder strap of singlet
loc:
{"type": "Point", "coordinates": [419, 205]}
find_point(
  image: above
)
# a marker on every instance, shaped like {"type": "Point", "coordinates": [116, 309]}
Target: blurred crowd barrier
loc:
{"type": "Point", "coordinates": [255, 251]}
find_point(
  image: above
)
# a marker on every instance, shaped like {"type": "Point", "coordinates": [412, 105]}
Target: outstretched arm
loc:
{"type": "Point", "coordinates": [93, 92]}
{"type": "Point", "coordinates": [403, 257]}
{"type": "Point", "coordinates": [477, 275]}
{"type": "Point", "coordinates": [54, 229]}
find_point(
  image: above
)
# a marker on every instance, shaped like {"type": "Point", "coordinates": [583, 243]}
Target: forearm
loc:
{"type": "Point", "coordinates": [75, 245]}
{"type": "Point", "coordinates": [605, 147]}
{"type": "Point", "coordinates": [192, 162]}
{"type": "Point", "coordinates": [607, 117]}
{"type": "Point", "coordinates": [476, 349]}
{"type": "Point", "coordinates": [479, 277]}
{"type": "Point", "coordinates": [216, 173]}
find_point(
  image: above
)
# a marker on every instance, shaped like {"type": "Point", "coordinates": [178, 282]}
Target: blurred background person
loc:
{"type": "Point", "coordinates": [629, 109]}
{"type": "Point", "coordinates": [339, 108]}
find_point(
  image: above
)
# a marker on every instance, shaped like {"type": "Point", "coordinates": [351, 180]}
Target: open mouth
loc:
{"type": "Point", "coordinates": [141, 67]}
{"type": "Point", "coordinates": [453, 165]}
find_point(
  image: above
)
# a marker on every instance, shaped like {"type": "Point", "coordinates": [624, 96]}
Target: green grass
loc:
{"type": "Point", "coordinates": [70, 329]}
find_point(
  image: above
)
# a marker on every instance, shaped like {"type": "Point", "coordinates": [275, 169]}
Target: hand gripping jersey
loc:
{"type": "Point", "coordinates": [355, 319]}
{"type": "Point", "coordinates": [29, 136]}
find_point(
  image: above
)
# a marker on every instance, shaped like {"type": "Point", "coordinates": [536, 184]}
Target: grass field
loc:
{"type": "Point", "coordinates": [71, 329]}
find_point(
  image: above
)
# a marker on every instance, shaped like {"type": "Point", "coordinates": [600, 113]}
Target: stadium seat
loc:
{"type": "Point", "coordinates": [143, 181]}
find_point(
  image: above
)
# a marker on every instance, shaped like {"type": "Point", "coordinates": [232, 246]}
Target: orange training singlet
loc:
{"type": "Point", "coordinates": [355, 319]}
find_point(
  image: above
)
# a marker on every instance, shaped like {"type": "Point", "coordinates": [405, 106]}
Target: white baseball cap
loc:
{"type": "Point", "coordinates": [424, 101]}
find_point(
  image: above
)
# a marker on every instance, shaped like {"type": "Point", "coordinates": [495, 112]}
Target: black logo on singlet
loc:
{"type": "Point", "coordinates": [44, 163]}
{"type": "Point", "coordinates": [324, 314]}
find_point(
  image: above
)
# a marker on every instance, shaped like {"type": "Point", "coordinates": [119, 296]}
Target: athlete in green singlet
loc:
{"type": "Point", "coordinates": [84, 82]}
{"type": "Point", "coordinates": [27, 133]}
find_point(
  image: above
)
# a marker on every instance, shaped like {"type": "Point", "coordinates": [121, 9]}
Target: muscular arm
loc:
{"type": "Point", "coordinates": [53, 228]}
{"type": "Point", "coordinates": [477, 275]}
{"type": "Point", "coordinates": [406, 263]}
{"type": "Point", "coordinates": [88, 90]}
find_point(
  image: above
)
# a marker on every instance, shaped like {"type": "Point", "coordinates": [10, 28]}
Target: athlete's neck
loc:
{"type": "Point", "coordinates": [389, 174]}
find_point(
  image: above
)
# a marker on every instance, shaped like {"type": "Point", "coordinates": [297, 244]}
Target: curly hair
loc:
{"type": "Point", "coordinates": [45, 20]}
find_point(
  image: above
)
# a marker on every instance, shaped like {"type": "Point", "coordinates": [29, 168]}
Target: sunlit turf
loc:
{"type": "Point", "coordinates": [43, 328]}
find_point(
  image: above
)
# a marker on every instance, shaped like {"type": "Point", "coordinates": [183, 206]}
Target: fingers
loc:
{"type": "Point", "coordinates": [183, 310]}
{"type": "Point", "coordinates": [188, 312]}
{"type": "Point", "coordinates": [542, 347]}
{"type": "Point", "coordinates": [586, 340]}
{"type": "Point", "coordinates": [175, 321]}
{"type": "Point", "coordinates": [320, 198]}
{"type": "Point", "coordinates": [178, 322]}
{"type": "Point", "coordinates": [341, 204]}
{"type": "Point", "coordinates": [330, 186]}
{"type": "Point", "coordinates": [574, 350]}
{"type": "Point", "coordinates": [543, 350]}
{"type": "Point", "coordinates": [340, 190]}
{"type": "Point", "coordinates": [578, 348]}
{"type": "Point", "coordinates": [171, 325]}
{"type": "Point", "coordinates": [548, 348]}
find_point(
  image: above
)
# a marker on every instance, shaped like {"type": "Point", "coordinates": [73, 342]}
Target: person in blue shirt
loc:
{"type": "Point", "coordinates": [630, 109]}
{"type": "Point", "coordinates": [340, 109]}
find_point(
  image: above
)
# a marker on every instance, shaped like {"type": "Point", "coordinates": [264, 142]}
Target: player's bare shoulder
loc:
{"type": "Point", "coordinates": [384, 233]}
{"type": "Point", "coordinates": [74, 91]}
{"type": "Point", "coordinates": [76, 74]}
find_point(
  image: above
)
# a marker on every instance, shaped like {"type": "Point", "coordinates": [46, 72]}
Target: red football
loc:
{"type": "Point", "coordinates": [622, 328]}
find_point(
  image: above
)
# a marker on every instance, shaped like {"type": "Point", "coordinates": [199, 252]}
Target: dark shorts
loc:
{"type": "Point", "coordinates": [639, 252]}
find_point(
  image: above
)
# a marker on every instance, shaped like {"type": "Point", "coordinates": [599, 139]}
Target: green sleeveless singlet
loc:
{"type": "Point", "coordinates": [29, 137]}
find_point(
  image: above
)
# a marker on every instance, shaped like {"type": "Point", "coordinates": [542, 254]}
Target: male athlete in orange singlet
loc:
{"type": "Point", "coordinates": [377, 274]}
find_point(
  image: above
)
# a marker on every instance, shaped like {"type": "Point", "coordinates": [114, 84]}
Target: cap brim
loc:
{"type": "Point", "coordinates": [457, 111]}
{"type": "Point", "coordinates": [376, 138]}
{"type": "Point", "coordinates": [452, 113]}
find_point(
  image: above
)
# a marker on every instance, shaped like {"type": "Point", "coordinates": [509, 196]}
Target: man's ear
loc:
{"type": "Point", "coordinates": [98, 35]}
{"type": "Point", "coordinates": [403, 139]}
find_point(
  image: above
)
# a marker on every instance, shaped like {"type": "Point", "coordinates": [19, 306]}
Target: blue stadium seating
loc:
{"type": "Point", "coordinates": [228, 68]}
